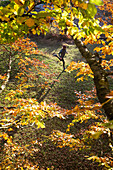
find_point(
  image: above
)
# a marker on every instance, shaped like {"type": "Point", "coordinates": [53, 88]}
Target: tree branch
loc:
{"type": "Point", "coordinates": [109, 73]}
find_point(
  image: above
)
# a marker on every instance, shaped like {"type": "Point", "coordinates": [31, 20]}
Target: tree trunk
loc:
{"type": "Point", "coordinates": [3, 86]}
{"type": "Point", "coordinates": [100, 79]}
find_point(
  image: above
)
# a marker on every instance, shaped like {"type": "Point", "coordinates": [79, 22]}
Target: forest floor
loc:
{"type": "Point", "coordinates": [46, 154]}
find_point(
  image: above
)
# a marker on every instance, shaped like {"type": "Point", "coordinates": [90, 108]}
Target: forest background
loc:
{"type": "Point", "coordinates": [54, 119]}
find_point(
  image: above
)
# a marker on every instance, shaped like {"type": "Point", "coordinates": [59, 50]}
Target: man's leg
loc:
{"type": "Point", "coordinates": [63, 64]}
{"type": "Point", "coordinates": [56, 56]}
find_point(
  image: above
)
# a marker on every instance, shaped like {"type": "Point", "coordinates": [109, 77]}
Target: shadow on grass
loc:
{"type": "Point", "coordinates": [63, 91]}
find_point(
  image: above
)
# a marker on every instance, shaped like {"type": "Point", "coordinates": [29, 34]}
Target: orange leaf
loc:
{"type": "Point", "coordinates": [30, 22]}
{"type": "Point", "coordinates": [110, 95]}
{"type": "Point", "coordinates": [10, 129]}
{"type": "Point", "coordinates": [112, 163]}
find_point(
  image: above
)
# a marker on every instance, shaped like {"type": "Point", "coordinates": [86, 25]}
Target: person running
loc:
{"type": "Point", "coordinates": [61, 55]}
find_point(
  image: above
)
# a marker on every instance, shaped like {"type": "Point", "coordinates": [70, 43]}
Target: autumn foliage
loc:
{"type": "Point", "coordinates": [95, 106]}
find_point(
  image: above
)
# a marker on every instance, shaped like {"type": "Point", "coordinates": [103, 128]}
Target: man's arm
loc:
{"type": "Point", "coordinates": [66, 52]}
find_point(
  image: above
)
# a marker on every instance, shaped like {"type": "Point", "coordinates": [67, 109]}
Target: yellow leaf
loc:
{"type": "Point", "coordinates": [93, 157]}
{"type": "Point", "coordinates": [22, 1]}
{"type": "Point", "coordinates": [69, 23]}
{"type": "Point", "coordinates": [39, 124]}
{"type": "Point", "coordinates": [5, 18]}
{"type": "Point", "coordinates": [30, 22]}
{"type": "Point", "coordinates": [16, 7]}
{"type": "Point", "coordinates": [9, 141]}
{"type": "Point", "coordinates": [31, 6]}
{"type": "Point", "coordinates": [8, 98]}
{"type": "Point", "coordinates": [80, 79]}
{"type": "Point", "coordinates": [34, 31]}
{"type": "Point", "coordinates": [22, 168]}
{"type": "Point", "coordinates": [97, 49]}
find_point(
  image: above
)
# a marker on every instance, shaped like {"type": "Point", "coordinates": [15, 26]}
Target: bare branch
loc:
{"type": "Point", "coordinates": [109, 73]}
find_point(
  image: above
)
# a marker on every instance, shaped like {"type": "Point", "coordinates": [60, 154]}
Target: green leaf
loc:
{"type": "Point", "coordinates": [109, 124]}
{"type": "Point", "coordinates": [20, 11]}
{"type": "Point", "coordinates": [1, 52]}
{"type": "Point", "coordinates": [96, 2]}
{"type": "Point", "coordinates": [26, 4]}
{"type": "Point", "coordinates": [96, 135]}
{"type": "Point", "coordinates": [62, 24]}
{"type": "Point", "coordinates": [92, 10]}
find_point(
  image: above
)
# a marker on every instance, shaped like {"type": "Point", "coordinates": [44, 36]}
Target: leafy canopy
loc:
{"type": "Point", "coordinates": [19, 17]}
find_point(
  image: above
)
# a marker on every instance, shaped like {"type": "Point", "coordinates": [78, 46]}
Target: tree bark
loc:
{"type": "Point", "coordinates": [100, 79]}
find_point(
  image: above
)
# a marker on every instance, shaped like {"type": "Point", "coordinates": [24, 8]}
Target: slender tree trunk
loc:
{"type": "Point", "coordinates": [100, 78]}
{"type": "Point", "coordinates": [3, 86]}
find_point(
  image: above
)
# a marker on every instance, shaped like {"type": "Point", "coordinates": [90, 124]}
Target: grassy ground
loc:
{"type": "Point", "coordinates": [46, 154]}
{"type": "Point", "coordinates": [63, 91]}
